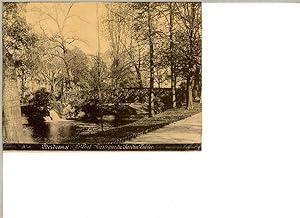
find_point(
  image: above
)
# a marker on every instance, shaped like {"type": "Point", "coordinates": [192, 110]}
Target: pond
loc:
{"type": "Point", "coordinates": [66, 130]}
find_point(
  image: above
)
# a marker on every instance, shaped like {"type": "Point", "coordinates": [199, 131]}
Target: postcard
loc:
{"type": "Point", "coordinates": [102, 76]}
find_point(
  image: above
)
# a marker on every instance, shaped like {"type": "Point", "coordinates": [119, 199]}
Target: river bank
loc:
{"type": "Point", "coordinates": [126, 132]}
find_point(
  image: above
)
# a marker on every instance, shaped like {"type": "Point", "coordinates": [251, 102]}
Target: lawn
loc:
{"type": "Point", "coordinates": [123, 133]}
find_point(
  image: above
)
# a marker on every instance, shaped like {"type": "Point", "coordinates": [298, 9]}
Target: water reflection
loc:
{"type": "Point", "coordinates": [67, 130]}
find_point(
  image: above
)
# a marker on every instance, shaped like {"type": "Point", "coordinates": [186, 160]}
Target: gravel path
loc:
{"type": "Point", "coordinates": [184, 131]}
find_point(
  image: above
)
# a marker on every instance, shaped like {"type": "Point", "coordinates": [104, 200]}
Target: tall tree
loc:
{"type": "Point", "coordinates": [122, 51]}
{"type": "Point", "coordinates": [145, 26]}
{"type": "Point", "coordinates": [151, 58]}
{"type": "Point", "coordinates": [59, 15]}
{"type": "Point", "coordinates": [17, 40]}
{"type": "Point", "coordinates": [189, 15]}
{"type": "Point", "coordinates": [99, 76]}
{"type": "Point", "coordinates": [173, 75]}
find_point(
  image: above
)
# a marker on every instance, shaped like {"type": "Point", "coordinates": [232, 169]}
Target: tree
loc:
{"type": "Point", "coordinates": [173, 75]}
{"type": "Point", "coordinates": [17, 40]}
{"type": "Point", "coordinates": [124, 52]}
{"type": "Point", "coordinates": [179, 31]}
{"type": "Point", "coordinates": [134, 52]}
{"type": "Point", "coordinates": [144, 24]}
{"type": "Point", "coordinates": [59, 15]}
{"type": "Point", "coordinates": [27, 72]}
{"type": "Point", "coordinates": [78, 64]}
{"type": "Point", "coordinates": [151, 56]}
{"type": "Point", "coordinates": [48, 70]}
{"type": "Point", "coordinates": [167, 28]}
{"type": "Point", "coordinates": [189, 43]}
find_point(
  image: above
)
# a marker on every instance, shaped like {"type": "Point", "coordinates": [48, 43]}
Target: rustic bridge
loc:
{"type": "Point", "coordinates": [126, 95]}
{"type": "Point", "coordinates": [119, 100]}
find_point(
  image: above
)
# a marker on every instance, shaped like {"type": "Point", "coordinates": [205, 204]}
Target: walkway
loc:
{"type": "Point", "coordinates": [184, 131]}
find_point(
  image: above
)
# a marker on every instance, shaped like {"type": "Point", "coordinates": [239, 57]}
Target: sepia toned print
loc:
{"type": "Point", "coordinates": [102, 76]}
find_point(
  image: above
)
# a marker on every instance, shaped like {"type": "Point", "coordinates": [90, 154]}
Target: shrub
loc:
{"type": "Point", "coordinates": [41, 100]}
{"type": "Point", "coordinates": [39, 106]}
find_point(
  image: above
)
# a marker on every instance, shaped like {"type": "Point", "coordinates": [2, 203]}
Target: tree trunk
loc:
{"type": "Point", "coordinates": [66, 77]}
{"type": "Point", "coordinates": [151, 62]}
{"type": "Point", "coordinates": [62, 91]}
{"type": "Point", "coordinates": [189, 92]}
{"type": "Point", "coordinates": [173, 83]}
{"type": "Point", "coordinates": [12, 125]}
{"type": "Point", "coordinates": [101, 108]}
{"type": "Point", "coordinates": [100, 102]}
{"type": "Point", "coordinates": [196, 87]}
{"type": "Point", "coordinates": [22, 87]}
{"type": "Point", "coordinates": [189, 81]}
{"type": "Point", "coordinates": [200, 87]}
{"type": "Point", "coordinates": [139, 76]}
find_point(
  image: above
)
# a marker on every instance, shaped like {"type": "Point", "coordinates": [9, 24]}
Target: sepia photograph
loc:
{"type": "Point", "coordinates": [102, 76]}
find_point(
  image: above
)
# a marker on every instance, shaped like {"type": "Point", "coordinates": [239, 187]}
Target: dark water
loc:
{"type": "Point", "coordinates": [66, 130]}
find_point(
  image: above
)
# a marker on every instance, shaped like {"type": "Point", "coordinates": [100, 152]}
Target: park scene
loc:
{"type": "Point", "coordinates": [105, 73]}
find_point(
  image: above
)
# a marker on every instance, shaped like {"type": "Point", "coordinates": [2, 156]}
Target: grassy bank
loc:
{"type": "Point", "coordinates": [142, 126]}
